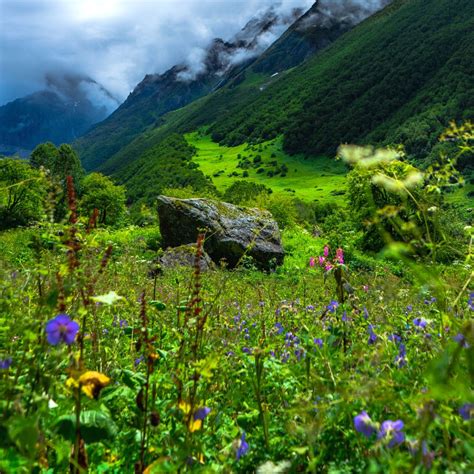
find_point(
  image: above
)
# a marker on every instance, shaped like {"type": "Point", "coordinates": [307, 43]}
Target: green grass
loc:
{"type": "Point", "coordinates": [310, 179]}
{"type": "Point", "coordinates": [462, 197]}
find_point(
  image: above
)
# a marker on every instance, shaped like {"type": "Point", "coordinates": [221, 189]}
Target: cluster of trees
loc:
{"type": "Point", "coordinates": [37, 190]}
{"type": "Point", "coordinates": [167, 165]}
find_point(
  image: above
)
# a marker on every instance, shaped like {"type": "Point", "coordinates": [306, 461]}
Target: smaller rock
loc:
{"type": "Point", "coordinates": [183, 256]}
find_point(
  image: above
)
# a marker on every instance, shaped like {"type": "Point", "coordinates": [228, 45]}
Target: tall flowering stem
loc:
{"type": "Point", "coordinates": [143, 395]}
{"type": "Point", "coordinates": [200, 317]}
{"type": "Point", "coordinates": [259, 359]}
{"type": "Point", "coordinates": [86, 285]}
{"type": "Point", "coordinates": [336, 266]}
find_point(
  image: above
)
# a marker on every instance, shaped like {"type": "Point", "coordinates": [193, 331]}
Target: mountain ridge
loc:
{"type": "Point", "coordinates": [300, 40]}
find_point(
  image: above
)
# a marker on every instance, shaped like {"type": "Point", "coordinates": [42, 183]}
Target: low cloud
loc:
{"type": "Point", "coordinates": [116, 42]}
{"type": "Point", "coordinates": [349, 11]}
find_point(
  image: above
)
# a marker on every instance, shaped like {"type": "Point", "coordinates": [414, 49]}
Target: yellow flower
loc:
{"type": "Point", "coordinates": [194, 425]}
{"type": "Point", "coordinates": [93, 382]}
{"type": "Point", "coordinates": [185, 407]}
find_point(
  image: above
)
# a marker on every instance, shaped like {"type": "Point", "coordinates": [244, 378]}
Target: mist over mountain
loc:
{"type": "Point", "coordinates": [67, 107]}
{"type": "Point", "coordinates": [274, 40]}
{"type": "Point", "coordinates": [204, 71]}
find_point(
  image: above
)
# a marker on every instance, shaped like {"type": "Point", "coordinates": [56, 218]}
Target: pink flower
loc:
{"type": "Point", "coordinates": [326, 250]}
{"type": "Point", "coordinates": [340, 256]}
{"type": "Point", "coordinates": [312, 261]}
{"type": "Point", "coordinates": [321, 261]}
{"type": "Point", "coordinates": [328, 267]}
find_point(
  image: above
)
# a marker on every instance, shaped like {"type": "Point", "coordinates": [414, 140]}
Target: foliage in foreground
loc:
{"type": "Point", "coordinates": [104, 368]}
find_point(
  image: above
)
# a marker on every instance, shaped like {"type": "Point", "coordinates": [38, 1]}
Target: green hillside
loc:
{"type": "Point", "coordinates": [166, 165]}
{"type": "Point", "coordinates": [400, 76]}
{"type": "Point", "coordinates": [320, 179]}
{"type": "Point", "coordinates": [411, 62]}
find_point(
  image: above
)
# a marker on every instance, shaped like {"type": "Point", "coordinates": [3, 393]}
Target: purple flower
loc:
{"type": "Point", "coordinates": [461, 340]}
{"type": "Point", "coordinates": [299, 353]}
{"type": "Point", "coordinates": [201, 413]}
{"type": "Point", "coordinates": [409, 309]}
{"type": "Point", "coordinates": [366, 313]}
{"type": "Point", "coordinates": [61, 328]}
{"type": "Point", "coordinates": [279, 328]}
{"type": "Point", "coordinates": [332, 306]}
{"type": "Point", "coordinates": [138, 361]}
{"type": "Point", "coordinates": [363, 424]}
{"type": "Point", "coordinates": [372, 335]}
{"type": "Point", "coordinates": [391, 431]}
{"type": "Point", "coordinates": [395, 338]}
{"type": "Point", "coordinates": [246, 350]}
{"type": "Point", "coordinates": [420, 322]}
{"type": "Point", "coordinates": [5, 363]}
{"type": "Point", "coordinates": [344, 317]}
{"type": "Point", "coordinates": [467, 411]}
{"type": "Point", "coordinates": [318, 341]}
{"type": "Point", "coordinates": [427, 456]}
{"type": "Point", "coordinates": [242, 447]}
{"type": "Point", "coordinates": [401, 360]}
{"type": "Point", "coordinates": [470, 303]}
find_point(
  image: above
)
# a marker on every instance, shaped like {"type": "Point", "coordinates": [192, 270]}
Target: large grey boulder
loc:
{"type": "Point", "coordinates": [231, 231]}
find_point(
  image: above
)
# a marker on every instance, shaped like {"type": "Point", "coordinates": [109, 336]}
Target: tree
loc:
{"type": "Point", "coordinates": [99, 192]}
{"type": "Point", "coordinates": [22, 193]}
{"type": "Point", "coordinates": [44, 155]}
{"type": "Point", "coordinates": [61, 162]}
{"type": "Point", "coordinates": [244, 192]}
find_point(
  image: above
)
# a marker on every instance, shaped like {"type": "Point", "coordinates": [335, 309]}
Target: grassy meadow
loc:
{"type": "Point", "coordinates": [319, 179]}
{"type": "Point", "coordinates": [182, 371]}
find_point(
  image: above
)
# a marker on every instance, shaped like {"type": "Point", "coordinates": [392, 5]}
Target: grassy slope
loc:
{"type": "Point", "coordinates": [409, 61]}
{"type": "Point", "coordinates": [377, 74]}
{"type": "Point", "coordinates": [310, 179]}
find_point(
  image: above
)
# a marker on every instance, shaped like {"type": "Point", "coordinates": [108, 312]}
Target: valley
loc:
{"type": "Point", "coordinates": [254, 253]}
{"type": "Point", "coordinates": [319, 179]}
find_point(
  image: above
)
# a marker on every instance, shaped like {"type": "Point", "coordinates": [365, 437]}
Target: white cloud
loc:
{"type": "Point", "coordinates": [116, 42]}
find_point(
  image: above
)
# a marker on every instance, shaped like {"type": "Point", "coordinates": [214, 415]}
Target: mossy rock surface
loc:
{"type": "Point", "coordinates": [231, 231]}
{"type": "Point", "coordinates": [185, 256]}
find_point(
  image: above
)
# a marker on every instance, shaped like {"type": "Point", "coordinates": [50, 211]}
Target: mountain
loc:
{"type": "Point", "coordinates": [250, 54]}
{"type": "Point", "coordinates": [67, 108]}
{"type": "Point", "coordinates": [158, 94]}
{"type": "Point", "coordinates": [400, 76]}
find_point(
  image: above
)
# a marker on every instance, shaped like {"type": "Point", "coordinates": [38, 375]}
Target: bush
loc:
{"type": "Point", "coordinates": [244, 192]}
{"type": "Point", "coordinates": [23, 191]}
{"type": "Point", "coordinates": [99, 192]}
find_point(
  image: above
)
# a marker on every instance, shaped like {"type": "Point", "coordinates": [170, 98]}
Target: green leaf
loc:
{"type": "Point", "coordinates": [159, 305]}
{"type": "Point", "coordinates": [96, 426]}
{"type": "Point", "coordinates": [133, 379]}
{"type": "Point", "coordinates": [24, 433]}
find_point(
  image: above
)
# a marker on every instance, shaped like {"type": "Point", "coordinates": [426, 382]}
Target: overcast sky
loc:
{"type": "Point", "coordinates": [116, 42]}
